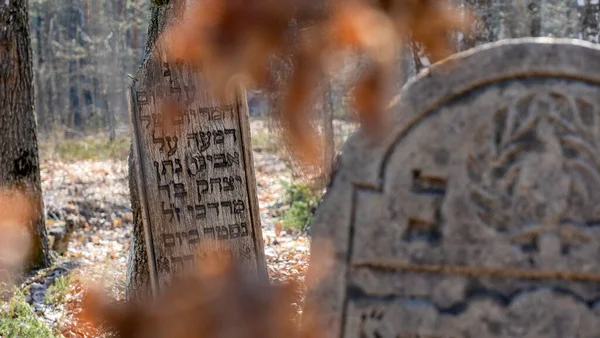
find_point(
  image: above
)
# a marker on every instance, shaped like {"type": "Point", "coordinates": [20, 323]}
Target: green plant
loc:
{"type": "Point", "coordinates": [263, 140]}
{"type": "Point", "coordinates": [57, 292]}
{"type": "Point", "coordinates": [100, 148]}
{"type": "Point", "coordinates": [17, 319]}
{"type": "Point", "coordinates": [302, 201]}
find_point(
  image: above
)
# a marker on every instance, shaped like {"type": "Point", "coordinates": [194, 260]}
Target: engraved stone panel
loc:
{"type": "Point", "coordinates": [197, 175]}
{"type": "Point", "coordinates": [480, 215]}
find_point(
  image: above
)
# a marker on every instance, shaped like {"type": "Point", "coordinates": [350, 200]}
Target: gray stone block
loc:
{"type": "Point", "coordinates": [479, 215]}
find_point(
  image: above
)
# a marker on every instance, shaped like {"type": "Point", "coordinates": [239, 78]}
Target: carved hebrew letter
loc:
{"type": "Point", "coordinates": [178, 167]}
{"type": "Point", "coordinates": [165, 164]}
{"type": "Point", "coordinates": [177, 263]}
{"type": "Point", "coordinates": [234, 230]}
{"type": "Point", "coordinates": [216, 114]}
{"type": "Point", "coordinates": [244, 227]}
{"type": "Point", "coordinates": [233, 159]}
{"type": "Point", "coordinates": [158, 140]}
{"type": "Point", "coordinates": [177, 212]}
{"type": "Point", "coordinates": [204, 112]}
{"type": "Point", "coordinates": [200, 211]}
{"type": "Point", "coordinates": [167, 188]}
{"type": "Point", "coordinates": [228, 204]}
{"type": "Point", "coordinates": [219, 137]}
{"type": "Point", "coordinates": [157, 166]}
{"type": "Point", "coordinates": [167, 211]}
{"type": "Point", "coordinates": [228, 109]}
{"type": "Point", "coordinates": [147, 119]}
{"type": "Point", "coordinates": [190, 259]}
{"type": "Point", "coordinates": [214, 181]}
{"type": "Point", "coordinates": [190, 93]}
{"type": "Point", "coordinates": [178, 118]}
{"type": "Point", "coordinates": [193, 236]}
{"type": "Point", "coordinates": [180, 191]}
{"type": "Point", "coordinates": [196, 161]}
{"type": "Point", "coordinates": [166, 69]}
{"type": "Point", "coordinates": [209, 232]}
{"type": "Point", "coordinates": [173, 88]}
{"type": "Point", "coordinates": [432, 188]}
{"type": "Point", "coordinates": [187, 113]}
{"type": "Point", "coordinates": [193, 136]}
{"type": "Point", "coordinates": [247, 252]}
{"type": "Point", "coordinates": [158, 121]}
{"type": "Point", "coordinates": [238, 207]}
{"type": "Point", "coordinates": [214, 206]}
{"type": "Point", "coordinates": [228, 183]}
{"type": "Point", "coordinates": [142, 98]}
{"type": "Point", "coordinates": [222, 233]}
{"type": "Point", "coordinates": [205, 140]}
{"type": "Point", "coordinates": [203, 183]}
{"type": "Point", "coordinates": [162, 265]}
{"type": "Point", "coordinates": [231, 131]}
{"type": "Point", "coordinates": [169, 240]}
{"type": "Point", "coordinates": [220, 161]}
{"type": "Point", "coordinates": [172, 147]}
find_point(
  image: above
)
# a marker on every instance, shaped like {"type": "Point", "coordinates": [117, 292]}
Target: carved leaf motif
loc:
{"type": "Point", "coordinates": [543, 175]}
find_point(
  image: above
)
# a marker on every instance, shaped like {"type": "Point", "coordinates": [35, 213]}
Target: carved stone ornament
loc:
{"type": "Point", "coordinates": [479, 216]}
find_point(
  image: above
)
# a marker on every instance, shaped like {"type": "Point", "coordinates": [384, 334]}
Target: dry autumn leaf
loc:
{"type": "Point", "coordinates": [17, 212]}
{"type": "Point", "coordinates": [233, 41]}
{"type": "Point", "coordinates": [200, 304]}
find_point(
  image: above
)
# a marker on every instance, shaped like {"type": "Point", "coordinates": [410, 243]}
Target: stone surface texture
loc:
{"type": "Point", "coordinates": [193, 158]}
{"type": "Point", "coordinates": [479, 215]}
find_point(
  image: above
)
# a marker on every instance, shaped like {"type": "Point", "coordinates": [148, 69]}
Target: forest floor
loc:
{"type": "Point", "coordinates": [97, 192]}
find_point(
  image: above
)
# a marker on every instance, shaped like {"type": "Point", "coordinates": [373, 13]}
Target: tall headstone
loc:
{"type": "Point", "coordinates": [195, 170]}
{"type": "Point", "coordinates": [479, 216]}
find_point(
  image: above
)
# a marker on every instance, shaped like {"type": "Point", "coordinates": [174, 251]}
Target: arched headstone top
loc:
{"type": "Point", "coordinates": [479, 215]}
{"type": "Point", "coordinates": [493, 63]}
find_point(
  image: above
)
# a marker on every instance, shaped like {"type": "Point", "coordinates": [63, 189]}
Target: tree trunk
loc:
{"type": "Point", "coordinates": [483, 27]}
{"type": "Point", "coordinates": [328, 132]}
{"type": "Point", "coordinates": [519, 19]}
{"type": "Point", "coordinates": [588, 20]}
{"type": "Point", "coordinates": [138, 276]}
{"type": "Point", "coordinates": [19, 159]}
{"type": "Point", "coordinates": [536, 18]}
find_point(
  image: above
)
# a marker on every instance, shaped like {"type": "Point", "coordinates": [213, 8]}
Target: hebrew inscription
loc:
{"type": "Point", "coordinates": [481, 216]}
{"type": "Point", "coordinates": [195, 161]}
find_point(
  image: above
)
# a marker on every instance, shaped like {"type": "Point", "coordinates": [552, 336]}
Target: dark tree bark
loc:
{"type": "Point", "coordinates": [588, 21]}
{"type": "Point", "coordinates": [19, 158]}
{"type": "Point", "coordinates": [536, 18]}
{"type": "Point", "coordinates": [328, 132]}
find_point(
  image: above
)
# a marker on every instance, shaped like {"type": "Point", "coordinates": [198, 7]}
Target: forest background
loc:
{"type": "Point", "coordinates": [85, 55]}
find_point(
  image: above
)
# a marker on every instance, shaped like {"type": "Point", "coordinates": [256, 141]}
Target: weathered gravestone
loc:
{"type": "Point", "coordinates": [194, 163]}
{"type": "Point", "coordinates": [480, 215]}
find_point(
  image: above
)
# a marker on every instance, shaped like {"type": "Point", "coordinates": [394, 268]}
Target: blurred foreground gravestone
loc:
{"type": "Point", "coordinates": [195, 171]}
{"type": "Point", "coordinates": [480, 215]}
